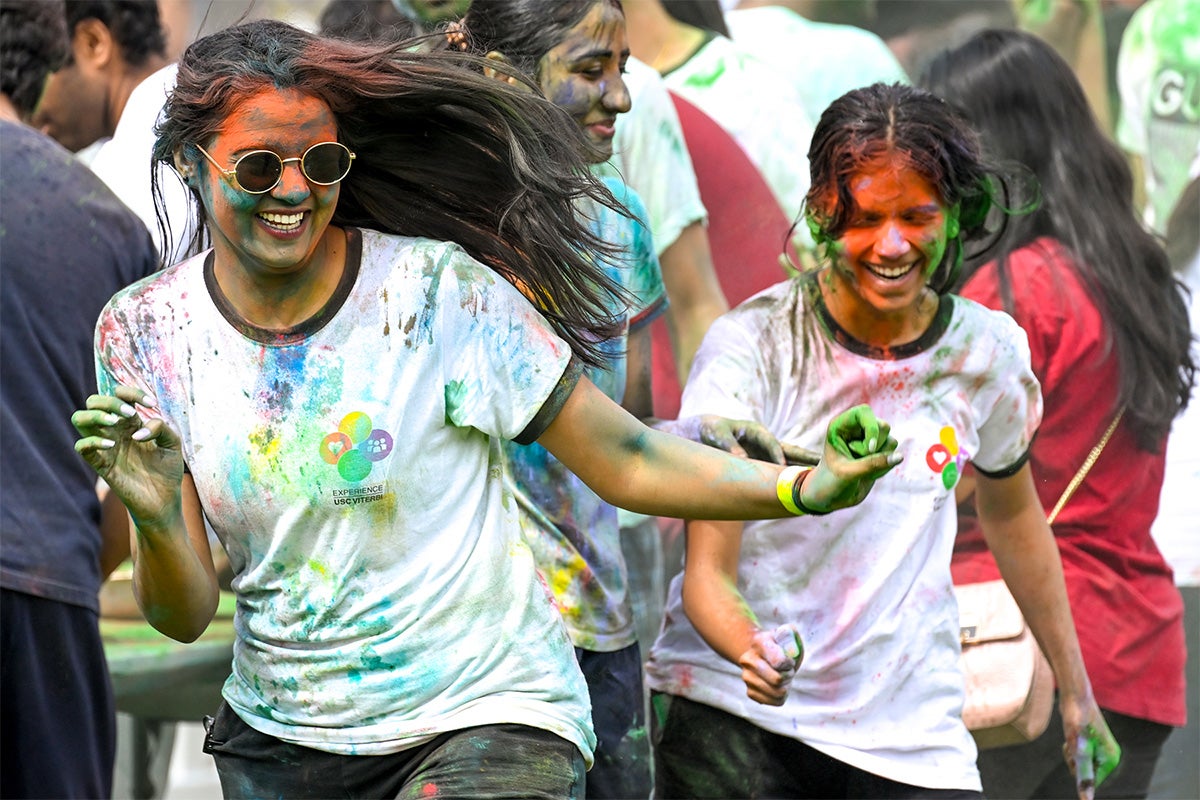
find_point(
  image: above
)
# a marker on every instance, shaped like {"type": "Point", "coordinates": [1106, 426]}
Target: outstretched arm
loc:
{"type": "Point", "coordinates": [652, 472]}
{"type": "Point", "coordinates": [174, 579]}
{"type": "Point", "coordinates": [1019, 537]}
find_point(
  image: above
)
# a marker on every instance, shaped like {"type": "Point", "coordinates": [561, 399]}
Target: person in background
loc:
{"type": "Point", "coordinates": [823, 60]}
{"type": "Point", "coordinates": [398, 283]}
{"type": "Point", "coordinates": [68, 244]}
{"type": "Point", "coordinates": [1176, 529]}
{"type": "Point", "coordinates": [366, 21]}
{"type": "Point", "coordinates": [1158, 75]}
{"type": "Point", "coordinates": [727, 82]}
{"type": "Point", "coordinates": [1076, 31]}
{"type": "Point", "coordinates": [106, 100]}
{"type": "Point", "coordinates": [1109, 336]}
{"type": "Point", "coordinates": [818, 657]}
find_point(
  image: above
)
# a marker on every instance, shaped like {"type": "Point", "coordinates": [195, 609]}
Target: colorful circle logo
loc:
{"type": "Point", "coordinates": [355, 446]}
{"type": "Point", "coordinates": [946, 458]}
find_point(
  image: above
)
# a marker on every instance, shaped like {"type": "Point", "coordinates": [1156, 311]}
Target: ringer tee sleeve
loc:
{"type": "Point", "coordinates": [501, 361]}
{"type": "Point", "coordinates": [1011, 410]}
{"type": "Point", "coordinates": [729, 377]}
{"type": "Point", "coordinates": [639, 270]}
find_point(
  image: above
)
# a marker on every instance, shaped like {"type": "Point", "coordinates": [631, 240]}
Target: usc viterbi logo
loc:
{"type": "Point", "coordinates": [355, 446]}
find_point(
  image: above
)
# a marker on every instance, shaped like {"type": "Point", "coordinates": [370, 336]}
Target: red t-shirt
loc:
{"type": "Point", "coordinates": [747, 230]}
{"type": "Point", "coordinates": [1127, 611]}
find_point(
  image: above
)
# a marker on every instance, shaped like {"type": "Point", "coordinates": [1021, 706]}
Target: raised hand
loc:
{"type": "Point", "coordinates": [140, 460]}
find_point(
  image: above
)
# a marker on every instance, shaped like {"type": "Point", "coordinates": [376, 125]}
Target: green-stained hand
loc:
{"type": "Point", "coordinates": [859, 449]}
{"type": "Point", "coordinates": [1091, 751]}
{"type": "Point", "coordinates": [141, 461]}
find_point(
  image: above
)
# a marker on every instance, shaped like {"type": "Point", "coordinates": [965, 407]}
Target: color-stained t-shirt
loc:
{"type": "Point", "coordinates": [1158, 75]}
{"type": "Point", "coordinates": [869, 586]}
{"type": "Point", "coordinates": [759, 107]}
{"type": "Point", "coordinates": [650, 154]}
{"type": "Point", "coordinates": [823, 60]}
{"type": "Point", "coordinates": [574, 534]}
{"type": "Point", "coordinates": [352, 468]}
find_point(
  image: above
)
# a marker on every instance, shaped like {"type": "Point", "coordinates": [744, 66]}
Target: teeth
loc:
{"type": "Point", "coordinates": [283, 220]}
{"type": "Point", "coordinates": [891, 272]}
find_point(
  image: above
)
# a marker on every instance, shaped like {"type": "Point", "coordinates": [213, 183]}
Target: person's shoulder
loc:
{"type": "Point", "coordinates": [46, 178]}
{"type": "Point", "coordinates": [624, 194]}
{"type": "Point", "coordinates": [983, 328]}
{"type": "Point", "coordinates": [424, 260]}
{"type": "Point", "coordinates": [758, 310]}
{"type": "Point", "coordinates": [174, 284]}
{"type": "Point", "coordinates": [22, 144]}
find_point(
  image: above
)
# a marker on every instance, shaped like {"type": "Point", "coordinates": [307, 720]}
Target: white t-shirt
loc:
{"type": "Point", "coordinates": [759, 108]}
{"type": "Point", "coordinates": [124, 163]}
{"type": "Point", "coordinates": [823, 60]}
{"type": "Point", "coordinates": [1176, 529]}
{"type": "Point", "coordinates": [352, 468]}
{"type": "Point", "coordinates": [869, 586]}
{"type": "Point", "coordinates": [651, 155]}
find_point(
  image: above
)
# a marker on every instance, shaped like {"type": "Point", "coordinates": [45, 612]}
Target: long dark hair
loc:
{"type": "Point", "coordinates": [1029, 107]}
{"type": "Point", "coordinates": [442, 152]}
{"type": "Point", "coordinates": [903, 122]}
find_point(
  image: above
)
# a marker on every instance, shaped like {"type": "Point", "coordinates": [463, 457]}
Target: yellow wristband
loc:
{"type": "Point", "coordinates": [784, 487]}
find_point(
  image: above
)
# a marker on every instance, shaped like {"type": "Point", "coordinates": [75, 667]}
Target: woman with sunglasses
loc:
{"type": "Point", "coordinates": [328, 386]}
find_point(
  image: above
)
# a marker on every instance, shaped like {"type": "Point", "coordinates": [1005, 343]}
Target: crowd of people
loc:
{"type": "Point", "coordinates": [425, 330]}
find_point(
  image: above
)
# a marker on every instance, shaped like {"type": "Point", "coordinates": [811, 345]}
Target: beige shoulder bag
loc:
{"type": "Point", "coordinates": [1008, 682]}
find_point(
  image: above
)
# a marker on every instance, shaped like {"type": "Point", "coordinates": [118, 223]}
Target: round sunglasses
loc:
{"type": "Point", "coordinates": [260, 171]}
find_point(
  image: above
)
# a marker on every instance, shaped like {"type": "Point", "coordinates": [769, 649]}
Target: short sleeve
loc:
{"type": "Point", "coordinates": [651, 155]}
{"type": "Point", "coordinates": [501, 360]}
{"type": "Point", "coordinates": [120, 352]}
{"type": "Point", "coordinates": [639, 271]}
{"type": "Point", "coordinates": [728, 377]}
{"type": "Point", "coordinates": [1011, 410]}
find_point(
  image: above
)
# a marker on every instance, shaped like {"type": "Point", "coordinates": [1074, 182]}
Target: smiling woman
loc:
{"type": "Point", "coordinates": [899, 188]}
{"type": "Point", "coordinates": [328, 387]}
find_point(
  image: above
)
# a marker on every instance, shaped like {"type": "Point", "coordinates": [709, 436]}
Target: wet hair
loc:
{"type": "Point", "coordinates": [918, 128]}
{"type": "Point", "coordinates": [33, 43]}
{"type": "Point", "coordinates": [1029, 107]}
{"type": "Point", "coordinates": [365, 21]}
{"type": "Point", "coordinates": [524, 30]}
{"type": "Point", "coordinates": [442, 152]}
{"type": "Point", "coordinates": [134, 24]}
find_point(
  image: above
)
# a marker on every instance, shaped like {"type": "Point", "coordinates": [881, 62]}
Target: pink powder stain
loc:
{"type": "Point", "coordinates": [429, 790]}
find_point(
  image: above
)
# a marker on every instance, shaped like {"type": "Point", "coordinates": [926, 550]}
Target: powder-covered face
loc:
{"type": "Point", "coordinates": [896, 237]}
{"type": "Point", "coordinates": [276, 232]}
{"type": "Point", "coordinates": [582, 74]}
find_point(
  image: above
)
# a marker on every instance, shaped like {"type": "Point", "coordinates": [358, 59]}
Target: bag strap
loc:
{"type": "Point", "coordinates": [1084, 468]}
